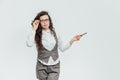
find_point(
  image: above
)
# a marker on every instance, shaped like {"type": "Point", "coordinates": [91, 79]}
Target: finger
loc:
{"type": "Point", "coordinates": [78, 37]}
{"type": "Point", "coordinates": [36, 21]}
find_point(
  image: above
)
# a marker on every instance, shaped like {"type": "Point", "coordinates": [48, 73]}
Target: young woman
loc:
{"type": "Point", "coordinates": [47, 44]}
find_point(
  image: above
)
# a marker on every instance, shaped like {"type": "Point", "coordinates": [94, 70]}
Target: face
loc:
{"type": "Point", "coordinates": [44, 21]}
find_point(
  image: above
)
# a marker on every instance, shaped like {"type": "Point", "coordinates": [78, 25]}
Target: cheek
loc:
{"type": "Point", "coordinates": [48, 23]}
{"type": "Point", "coordinates": [42, 24]}
{"type": "Point", "coordinates": [45, 25]}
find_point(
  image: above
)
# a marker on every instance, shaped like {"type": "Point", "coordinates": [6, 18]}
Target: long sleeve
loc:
{"type": "Point", "coordinates": [30, 39]}
{"type": "Point", "coordinates": [63, 46]}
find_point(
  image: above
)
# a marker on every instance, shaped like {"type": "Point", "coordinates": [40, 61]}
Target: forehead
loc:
{"type": "Point", "coordinates": [44, 17]}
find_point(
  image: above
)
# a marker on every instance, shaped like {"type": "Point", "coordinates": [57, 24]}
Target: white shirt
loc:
{"type": "Point", "coordinates": [48, 42]}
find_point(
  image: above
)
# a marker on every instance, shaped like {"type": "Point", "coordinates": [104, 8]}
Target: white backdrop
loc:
{"type": "Point", "coordinates": [95, 57]}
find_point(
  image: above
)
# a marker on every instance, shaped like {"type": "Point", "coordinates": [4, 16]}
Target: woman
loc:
{"type": "Point", "coordinates": [47, 44]}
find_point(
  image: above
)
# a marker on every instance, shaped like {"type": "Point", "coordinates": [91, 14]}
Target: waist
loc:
{"type": "Point", "coordinates": [50, 61]}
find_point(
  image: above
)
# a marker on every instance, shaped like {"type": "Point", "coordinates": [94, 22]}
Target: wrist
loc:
{"type": "Point", "coordinates": [71, 42]}
{"type": "Point", "coordinates": [33, 29]}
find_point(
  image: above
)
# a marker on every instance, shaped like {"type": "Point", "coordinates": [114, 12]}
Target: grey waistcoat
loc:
{"type": "Point", "coordinates": [44, 54]}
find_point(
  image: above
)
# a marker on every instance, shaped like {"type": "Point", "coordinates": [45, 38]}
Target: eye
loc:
{"type": "Point", "coordinates": [44, 20]}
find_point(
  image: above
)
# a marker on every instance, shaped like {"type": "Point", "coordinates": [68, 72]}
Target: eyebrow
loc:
{"type": "Point", "coordinates": [44, 19]}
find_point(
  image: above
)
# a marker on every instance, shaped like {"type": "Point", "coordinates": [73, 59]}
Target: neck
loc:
{"type": "Point", "coordinates": [45, 29]}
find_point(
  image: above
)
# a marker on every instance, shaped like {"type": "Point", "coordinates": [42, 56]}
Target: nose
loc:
{"type": "Point", "coordinates": [44, 22]}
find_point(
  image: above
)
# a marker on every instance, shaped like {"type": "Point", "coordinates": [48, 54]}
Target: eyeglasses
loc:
{"type": "Point", "coordinates": [44, 20]}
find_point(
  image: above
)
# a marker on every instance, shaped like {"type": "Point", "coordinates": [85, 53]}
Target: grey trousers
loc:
{"type": "Point", "coordinates": [44, 72]}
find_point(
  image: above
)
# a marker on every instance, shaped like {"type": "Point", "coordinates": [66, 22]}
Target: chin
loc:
{"type": "Point", "coordinates": [46, 27]}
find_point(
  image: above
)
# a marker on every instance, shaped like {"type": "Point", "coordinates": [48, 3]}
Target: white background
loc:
{"type": "Point", "coordinates": [95, 57]}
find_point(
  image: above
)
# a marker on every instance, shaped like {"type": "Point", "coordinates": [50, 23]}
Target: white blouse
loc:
{"type": "Point", "coordinates": [48, 42]}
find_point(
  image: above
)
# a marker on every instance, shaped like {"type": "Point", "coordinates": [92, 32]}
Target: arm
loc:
{"type": "Point", "coordinates": [30, 38]}
{"type": "Point", "coordinates": [64, 46]}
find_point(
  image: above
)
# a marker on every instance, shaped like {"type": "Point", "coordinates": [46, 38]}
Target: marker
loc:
{"type": "Point", "coordinates": [83, 34]}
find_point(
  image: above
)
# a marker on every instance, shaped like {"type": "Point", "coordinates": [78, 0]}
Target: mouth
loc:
{"type": "Point", "coordinates": [45, 25]}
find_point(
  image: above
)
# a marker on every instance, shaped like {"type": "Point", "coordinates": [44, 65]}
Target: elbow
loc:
{"type": "Point", "coordinates": [62, 50]}
{"type": "Point", "coordinates": [29, 44]}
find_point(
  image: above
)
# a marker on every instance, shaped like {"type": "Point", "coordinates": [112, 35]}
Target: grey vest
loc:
{"type": "Point", "coordinates": [44, 54]}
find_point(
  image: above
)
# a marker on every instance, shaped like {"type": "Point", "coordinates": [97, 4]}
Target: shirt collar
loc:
{"type": "Point", "coordinates": [46, 31]}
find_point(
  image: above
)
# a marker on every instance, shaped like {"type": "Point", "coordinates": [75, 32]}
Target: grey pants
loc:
{"type": "Point", "coordinates": [45, 72]}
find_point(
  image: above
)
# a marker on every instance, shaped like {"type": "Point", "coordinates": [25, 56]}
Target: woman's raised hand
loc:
{"type": "Point", "coordinates": [75, 38]}
{"type": "Point", "coordinates": [35, 24]}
